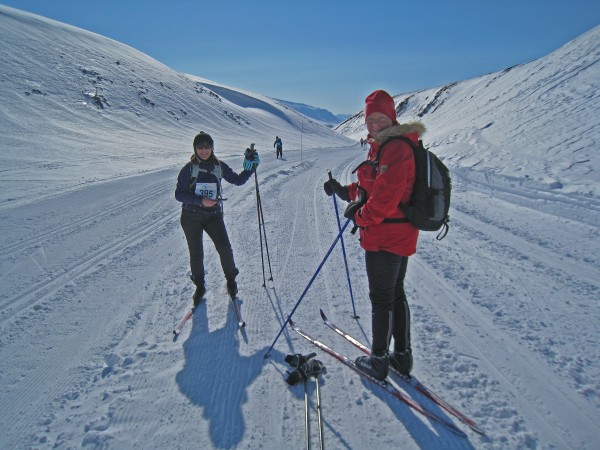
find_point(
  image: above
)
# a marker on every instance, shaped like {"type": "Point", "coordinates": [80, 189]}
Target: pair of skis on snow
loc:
{"type": "Point", "coordinates": [385, 385]}
{"type": "Point", "coordinates": [390, 388]}
{"type": "Point", "coordinates": [190, 312]}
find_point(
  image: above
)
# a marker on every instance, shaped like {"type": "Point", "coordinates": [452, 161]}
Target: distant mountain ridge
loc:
{"type": "Point", "coordinates": [319, 114]}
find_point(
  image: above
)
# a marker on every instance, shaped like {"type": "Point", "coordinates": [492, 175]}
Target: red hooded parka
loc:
{"type": "Point", "coordinates": [386, 188]}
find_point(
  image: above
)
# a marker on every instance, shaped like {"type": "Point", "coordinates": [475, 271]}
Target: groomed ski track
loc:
{"type": "Point", "coordinates": [96, 280]}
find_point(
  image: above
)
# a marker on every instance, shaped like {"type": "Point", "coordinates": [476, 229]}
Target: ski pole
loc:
{"type": "Point", "coordinates": [319, 418]}
{"type": "Point", "coordinates": [261, 231]}
{"type": "Point", "coordinates": [315, 368]}
{"type": "Point", "coordinates": [262, 259]}
{"type": "Point", "coordinates": [262, 218]}
{"type": "Point", "coordinates": [306, 424]}
{"type": "Point", "coordinates": [337, 216]}
{"type": "Point", "coordinates": [307, 287]}
{"type": "Point", "coordinates": [303, 371]}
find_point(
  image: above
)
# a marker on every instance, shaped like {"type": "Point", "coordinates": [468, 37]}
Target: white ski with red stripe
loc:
{"type": "Point", "coordinates": [408, 379]}
{"type": "Point", "coordinates": [385, 385]}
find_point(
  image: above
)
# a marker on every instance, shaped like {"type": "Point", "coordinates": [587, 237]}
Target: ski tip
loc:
{"type": "Point", "coordinates": [479, 431]}
{"type": "Point", "coordinates": [323, 316]}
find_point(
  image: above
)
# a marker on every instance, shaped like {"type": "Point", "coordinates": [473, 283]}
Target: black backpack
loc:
{"type": "Point", "coordinates": [429, 202]}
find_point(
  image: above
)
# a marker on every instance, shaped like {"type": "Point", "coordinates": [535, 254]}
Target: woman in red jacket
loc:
{"type": "Point", "coordinates": [387, 242]}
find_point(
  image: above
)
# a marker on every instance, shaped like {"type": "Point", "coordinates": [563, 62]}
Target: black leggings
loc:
{"type": "Point", "coordinates": [194, 224]}
{"type": "Point", "coordinates": [390, 314]}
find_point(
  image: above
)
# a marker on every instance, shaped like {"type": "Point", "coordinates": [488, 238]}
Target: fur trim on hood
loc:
{"type": "Point", "coordinates": [400, 129]}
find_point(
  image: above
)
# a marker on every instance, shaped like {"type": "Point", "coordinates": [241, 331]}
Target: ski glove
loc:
{"type": "Point", "coordinates": [332, 186]}
{"type": "Point", "coordinates": [251, 160]}
{"type": "Point", "coordinates": [302, 367]}
{"type": "Point", "coordinates": [352, 209]}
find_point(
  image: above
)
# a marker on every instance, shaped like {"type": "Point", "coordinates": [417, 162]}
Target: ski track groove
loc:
{"type": "Point", "coordinates": [521, 242]}
{"type": "Point", "coordinates": [505, 240]}
{"type": "Point", "coordinates": [39, 291]}
{"type": "Point", "coordinates": [509, 351]}
{"type": "Point", "coordinates": [63, 231]}
{"type": "Point", "coordinates": [534, 292]}
{"type": "Point", "coordinates": [570, 206]}
{"type": "Point", "coordinates": [65, 390]}
{"type": "Point", "coordinates": [511, 247]}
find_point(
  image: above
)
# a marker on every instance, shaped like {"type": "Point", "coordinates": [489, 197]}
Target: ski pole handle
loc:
{"type": "Point", "coordinates": [309, 356]}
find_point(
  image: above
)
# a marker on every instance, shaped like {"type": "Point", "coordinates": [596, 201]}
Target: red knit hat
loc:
{"type": "Point", "coordinates": [380, 101]}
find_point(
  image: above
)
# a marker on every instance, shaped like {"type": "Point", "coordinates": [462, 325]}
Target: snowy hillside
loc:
{"type": "Point", "coordinates": [534, 125]}
{"type": "Point", "coordinates": [60, 85]}
{"type": "Point", "coordinates": [94, 266]}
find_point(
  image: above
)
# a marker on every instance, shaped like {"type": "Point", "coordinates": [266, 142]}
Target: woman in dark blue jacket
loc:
{"type": "Point", "coordinates": [199, 191]}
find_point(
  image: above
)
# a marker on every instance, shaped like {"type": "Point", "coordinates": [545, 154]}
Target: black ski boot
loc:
{"type": "Point", "coordinates": [402, 361]}
{"type": "Point", "coordinates": [200, 291]}
{"type": "Point", "coordinates": [375, 365]}
{"type": "Point", "coordinates": [232, 288]}
{"type": "Point", "coordinates": [199, 294]}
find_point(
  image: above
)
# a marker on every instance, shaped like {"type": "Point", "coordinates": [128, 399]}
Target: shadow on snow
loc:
{"type": "Point", "coordinates": [215, 376]}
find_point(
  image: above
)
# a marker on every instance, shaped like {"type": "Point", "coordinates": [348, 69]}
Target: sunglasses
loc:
{"type": "Point", "coordinates": [203, 146]}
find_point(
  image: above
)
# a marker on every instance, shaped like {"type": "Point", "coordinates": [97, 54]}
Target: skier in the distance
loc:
{"type": "Point", "coordinates": [278, 147]}
{"type": "Point", "coordinates": [199, 191]}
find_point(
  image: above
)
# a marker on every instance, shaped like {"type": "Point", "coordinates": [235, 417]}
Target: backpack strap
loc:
{"type": "Point", "coordinates": [412, 146]}
{"type": "Point", "coordinates": [444, 231]}
{"type": "Point", "coordinates": [395, 220]}
{"type": "Point", "coordinates": [375, 164]}
{"type": "Point", "coordinates": [217, 171]}
{"type": "Point", "coordinates": [195, 171]}
{"type": "Point", "coordinates": [397, 138]}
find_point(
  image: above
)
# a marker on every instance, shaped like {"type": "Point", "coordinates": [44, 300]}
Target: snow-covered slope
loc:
{"type": "Point", "coordinates": [505, 309]}
{"type": "Point", "coordinates": [70, 95]}
{"type": "Point", "coordinates": [534, 125]}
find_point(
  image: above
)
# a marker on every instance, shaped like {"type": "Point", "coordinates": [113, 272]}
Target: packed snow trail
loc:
{"type": "Point", "coordinates": [504, 314]}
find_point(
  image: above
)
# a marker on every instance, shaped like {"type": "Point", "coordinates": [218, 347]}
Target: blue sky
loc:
{"type": "Point", "coordinates": [331, 54]}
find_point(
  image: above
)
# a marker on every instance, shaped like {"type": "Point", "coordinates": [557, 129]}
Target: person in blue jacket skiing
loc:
{"type": "Point", "coordinates": [278, 144]}
{"type": "Point", "coordinates": [199, 191]}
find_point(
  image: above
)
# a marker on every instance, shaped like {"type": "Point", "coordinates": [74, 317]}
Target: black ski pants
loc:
{"type": "Point", "coordinates": [194, 224]}
{"type": "Point", "coordinates": [390, 314]}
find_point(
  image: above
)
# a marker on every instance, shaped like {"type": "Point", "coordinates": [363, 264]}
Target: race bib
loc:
{"type": "Point", "coordinates": [207, 190]}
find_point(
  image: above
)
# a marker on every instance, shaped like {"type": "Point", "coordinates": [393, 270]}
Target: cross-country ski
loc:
{"type": "Point", "coordinates": [385, 385]}
{"type": "Point", "coordinates": [187, 316]}
{"type": "Point", "coordinates": [411, 380]}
